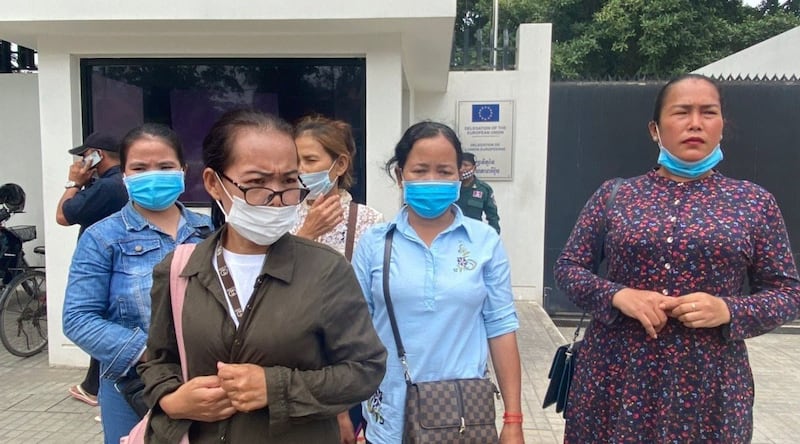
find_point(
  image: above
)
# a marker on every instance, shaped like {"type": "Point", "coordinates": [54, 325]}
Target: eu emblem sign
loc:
{"type": "Point", "coordinates": [486, 112]}
{"type": "Point", "coordinates": [486, 129]}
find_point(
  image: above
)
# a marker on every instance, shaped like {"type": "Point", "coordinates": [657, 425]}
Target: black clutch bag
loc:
{"type": "Point", "coordinates": [561, 376]}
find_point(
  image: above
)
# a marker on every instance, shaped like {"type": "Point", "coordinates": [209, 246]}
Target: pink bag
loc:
{"type": "Point", "coordinates": [177, 290]}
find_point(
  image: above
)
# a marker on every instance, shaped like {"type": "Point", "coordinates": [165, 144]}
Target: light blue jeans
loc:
{"type": "Point", "coordinates": [118, 417]}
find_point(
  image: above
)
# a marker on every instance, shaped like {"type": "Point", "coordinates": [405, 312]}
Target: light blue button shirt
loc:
{"type": "Point", "coordinates": [448, 299]}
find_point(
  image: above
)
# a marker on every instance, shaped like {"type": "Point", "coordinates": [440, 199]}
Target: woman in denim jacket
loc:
{"type": "Point", "coordinates": [107, 305]}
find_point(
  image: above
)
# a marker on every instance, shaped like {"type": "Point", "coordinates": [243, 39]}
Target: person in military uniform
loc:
{"type": "Point", "coordinates": [477, 197]}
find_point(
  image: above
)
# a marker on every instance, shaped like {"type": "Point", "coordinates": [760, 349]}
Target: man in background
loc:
{"type": "Point", "coordinates": [477, 197]}
{"type": "Point", "coordinates": [94, 190]}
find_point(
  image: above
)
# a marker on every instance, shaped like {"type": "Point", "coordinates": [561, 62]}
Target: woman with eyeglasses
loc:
{"type": "Point", "coordinates": [107, 304]}
{"type": "Point", "coordinates": [269, 359]}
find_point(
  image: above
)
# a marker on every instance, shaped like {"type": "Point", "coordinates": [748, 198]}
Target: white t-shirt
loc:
{"type": "Point", "coordinates": [244, 269]}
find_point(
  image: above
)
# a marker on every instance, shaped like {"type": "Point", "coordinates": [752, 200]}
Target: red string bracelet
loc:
{"type": "Point", "coordinates": [512, 418]}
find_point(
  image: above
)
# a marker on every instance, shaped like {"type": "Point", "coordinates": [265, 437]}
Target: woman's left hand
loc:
{"type": "Point", "coordinates": [698, 310]}
{"type": "Point", "coordinates": [245, 384]}
{"type": "Point", "coordinates": [512, 434]}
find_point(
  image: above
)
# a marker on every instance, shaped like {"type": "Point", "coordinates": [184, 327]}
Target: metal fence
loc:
{"type": "Point", "coordinates": [468, 55]}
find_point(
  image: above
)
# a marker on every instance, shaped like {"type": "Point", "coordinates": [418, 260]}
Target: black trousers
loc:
{"type": "Point", "coordinates": [91, 382]}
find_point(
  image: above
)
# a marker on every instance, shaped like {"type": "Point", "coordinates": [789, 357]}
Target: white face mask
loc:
{"type": "Point", "coordinates": [261, 225]}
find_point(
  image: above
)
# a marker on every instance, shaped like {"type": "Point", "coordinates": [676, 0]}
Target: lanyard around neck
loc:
{"type": "Point", "coordinates": [230, 288]}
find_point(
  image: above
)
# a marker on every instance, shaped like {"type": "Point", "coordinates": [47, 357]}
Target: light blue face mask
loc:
{"type": "Point", "coordinates": [429, 198]}
{"type": "Point", "coordinates": [682, 168]}
{"type": "Point", "coordinates": [155, 190]}
{"type": "Point", "coordinates": [319, 183]}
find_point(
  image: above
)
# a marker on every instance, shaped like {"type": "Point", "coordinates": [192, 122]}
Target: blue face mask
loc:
{"type": "Point", "coordinates": [689, 170]}
{"type": "Point", "coordinates": [319, 183]}
{"type": "Point", "coordinates": [430, 199]}
{"type": "Point", "coordinates": [155, 190]}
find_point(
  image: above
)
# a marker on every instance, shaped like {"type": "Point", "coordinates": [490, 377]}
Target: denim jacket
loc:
{"type": "Point", "coordinates": [107, 302]}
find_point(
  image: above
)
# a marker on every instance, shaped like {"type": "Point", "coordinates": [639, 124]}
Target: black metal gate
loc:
{"type": "Point", "coordinates": [598, 130]}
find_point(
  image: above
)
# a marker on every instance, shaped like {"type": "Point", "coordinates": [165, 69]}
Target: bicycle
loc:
{"type": "Point", "coordinates": [23, 301]}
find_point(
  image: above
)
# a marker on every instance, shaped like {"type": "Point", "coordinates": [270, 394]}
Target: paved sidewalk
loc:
{"type": "Point", "coordinates": [35, 406]}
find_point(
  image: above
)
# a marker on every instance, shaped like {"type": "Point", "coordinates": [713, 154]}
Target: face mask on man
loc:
{"type": "Point", "coordinates": [319, 183]}
{"type": "Point", "coordinates": [155, 190]}
{"type": "Point", "coordinates": [262, 225]}
{"type": "Point", "coordinates": [682, 168]}
{"type": "Point", "coordinates": [430, 198]}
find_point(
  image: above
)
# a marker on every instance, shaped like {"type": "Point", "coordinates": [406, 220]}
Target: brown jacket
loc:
{"type": "Point", "coordinates": [307, 324]}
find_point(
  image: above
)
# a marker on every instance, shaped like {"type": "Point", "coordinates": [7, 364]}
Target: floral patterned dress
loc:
{"type": "Point", "coordinates": [337, 238]}
{"type": "Point", "coordinates": [711, 235]}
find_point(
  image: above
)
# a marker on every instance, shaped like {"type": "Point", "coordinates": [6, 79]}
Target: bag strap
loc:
{"type": "Point", "coordinates": [600, 246]}
{"type": "Point", "coordinates": [601, 240]}
{"type": "Point", "coordinates": [352, 217]}
{"type": "Point", "coordinates": [387, 256]}
{"type": "Point", "coordinates": [177, 291]}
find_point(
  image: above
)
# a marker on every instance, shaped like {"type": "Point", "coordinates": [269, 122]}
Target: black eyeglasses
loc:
{"type": "Point", "coordinates": [261, 196]}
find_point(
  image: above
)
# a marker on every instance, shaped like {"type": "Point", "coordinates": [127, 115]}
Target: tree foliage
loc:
{"type": "Point", "coordinates": [635, 38]}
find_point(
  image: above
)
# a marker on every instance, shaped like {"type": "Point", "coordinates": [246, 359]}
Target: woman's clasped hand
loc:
{"type": "Point", "coordinates": [235, 388]}
{"type": "Point", "coordinates": [652, 309]}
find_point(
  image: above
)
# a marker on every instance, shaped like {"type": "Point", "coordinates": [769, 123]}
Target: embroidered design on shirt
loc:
{"type": "Point", "coordinates": [374, 406]}
{"type": "Point", "coordinates": [464, 263]}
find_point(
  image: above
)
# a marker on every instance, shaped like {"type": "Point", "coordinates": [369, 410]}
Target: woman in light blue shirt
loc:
{"type": "Point", "coordinates": [450, 286]}
{"type": "Point", "coordinates": [107, 305]}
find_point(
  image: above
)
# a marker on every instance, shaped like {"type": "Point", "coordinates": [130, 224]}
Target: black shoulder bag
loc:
{"type": "Point", "coordinates": [443, 412]}
{"type": "Point", "coordinates": [564, 360]}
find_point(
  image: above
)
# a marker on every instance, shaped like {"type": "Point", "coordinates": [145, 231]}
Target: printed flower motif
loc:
{"type": "Point", "coordinates": [374, 406]}
{"type": "Point", "coordinates": [463, 262]}
{"type": "Point", "coordinates": [688, 385]}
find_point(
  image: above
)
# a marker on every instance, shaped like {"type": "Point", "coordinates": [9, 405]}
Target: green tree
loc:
{"type": "Point", "coordinates": [649, 38]}
{"type": "Point", "coordinates": [473, 26]}
{"type": "Point", "coordinates": [636, 38]}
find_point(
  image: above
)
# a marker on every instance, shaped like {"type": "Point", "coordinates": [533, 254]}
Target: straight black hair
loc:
{"type": "Point", "coordinates": [151, 130]}
{"type": "Point", "coordinates": [662, 93]}
{"type": "Point", "coordinates": [416, 132]}
{"type": "Point", "coordinates": [218, 143]}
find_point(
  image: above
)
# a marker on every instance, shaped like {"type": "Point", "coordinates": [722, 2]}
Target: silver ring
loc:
{"type": "Point", "coordinates": [694, 306]}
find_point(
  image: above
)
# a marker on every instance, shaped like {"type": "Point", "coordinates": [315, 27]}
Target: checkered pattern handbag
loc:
{"type": "Point", "coordinates": [453, 411]}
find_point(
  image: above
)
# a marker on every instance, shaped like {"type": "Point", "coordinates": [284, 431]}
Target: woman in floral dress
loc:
{"type": "Point", "coordinates": [664, 357]}
{"type": "Point", "coordinates": [327, 150]}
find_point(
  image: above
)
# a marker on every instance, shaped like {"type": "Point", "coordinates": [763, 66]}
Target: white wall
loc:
{"type": "Point", "coordinates": [521, 201]}
{"type": "Point", "coordinates": [20, 151]}
{"type": "Point", "coordinates": [61, 119]}
{"type": "Point", "coordinates": [104, 10]}
{"type": "Point", "coordinates": [778, 56]}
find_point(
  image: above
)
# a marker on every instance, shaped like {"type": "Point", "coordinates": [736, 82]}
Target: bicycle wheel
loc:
{"type": "Point", "coordinates": [23, 314]}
